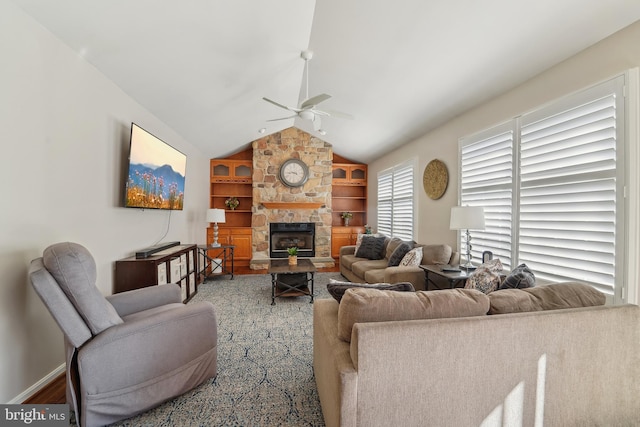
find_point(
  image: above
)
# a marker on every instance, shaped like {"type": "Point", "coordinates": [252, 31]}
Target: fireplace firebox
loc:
{"type": "Point", "coordinates": [284, 235]}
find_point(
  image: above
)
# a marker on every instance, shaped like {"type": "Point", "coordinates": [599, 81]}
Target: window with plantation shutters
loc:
{"type": "Point", "coordinates": [569, 191]}
{"type": "Point", "coordinates": [552, 183]}
{"type": "Point", "coordinates": [395, 201]}
{"type": "Point", "coordinates": [486, 165]}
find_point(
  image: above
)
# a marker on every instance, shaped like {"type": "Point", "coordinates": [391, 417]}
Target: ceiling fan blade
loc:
{"type": "Point", "coordinates": [277, 104]}
{"type": "Point", "coordinates": [283, 118]}
{"type": "Point", "coordinates": [312, 102]}
{"type": "Point", "coordinates": [316, 122]}
{"type": "Point", "coordinates": [339, 114]}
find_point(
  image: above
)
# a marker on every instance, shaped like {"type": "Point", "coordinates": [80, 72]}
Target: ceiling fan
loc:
{"type": "Point", "coordinates": [307, 109]}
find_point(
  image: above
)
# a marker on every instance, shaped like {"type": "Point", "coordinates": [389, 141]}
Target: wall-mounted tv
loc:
{"type": "Point", "coordinates": [156, 173]}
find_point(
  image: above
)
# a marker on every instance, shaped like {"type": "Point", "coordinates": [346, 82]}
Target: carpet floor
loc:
{"type": "Point", "coordinates": [265, 354]}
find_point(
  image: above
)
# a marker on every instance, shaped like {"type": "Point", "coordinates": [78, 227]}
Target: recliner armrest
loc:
{"type": "Point", "coordinates": [137, 300]}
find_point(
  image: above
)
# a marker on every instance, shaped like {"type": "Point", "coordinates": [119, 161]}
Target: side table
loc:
{"type": "Point", "coordinates": [216, 257]}
{"type": "Point", "coordinates": [453, 277]}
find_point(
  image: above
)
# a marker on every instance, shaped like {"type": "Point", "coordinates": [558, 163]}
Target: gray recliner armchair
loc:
{"type": "Point", "coordinates": [128, 352]}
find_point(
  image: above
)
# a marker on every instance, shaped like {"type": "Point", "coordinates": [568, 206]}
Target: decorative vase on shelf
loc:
{"type": "Point", "coordinates": [346, 216]}
{"type": "Point", "coordinates": [346, 222]}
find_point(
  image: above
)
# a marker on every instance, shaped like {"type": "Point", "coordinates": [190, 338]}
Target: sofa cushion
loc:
{"type": "Point", "coordinates": [436, 254]}
{"type": "Point", "coordinates": [486, 278]}
{"type": "Point", "coordinates": [349, 260]}
{"type": "Point", "coordinates": [361, 267]}
{"type": "Point", "coordinates": [550, 297]}
{"type": "Point", "coordinates": [337, 289]}
{"type": "Point", "coordinates": [359, 305]}
{"type": "Point", "coordinates": [392, 244]}
{"type": "Point", "coordinates": [372, 247]}
{"type": "Point", "coordinates": [520, 277]}
{"type": "Point", "coordinates": [375, 276]}
{"type": "Point", "coordinates": [398, 253]}
{"type": "Point", "coordinates": [412, 258]}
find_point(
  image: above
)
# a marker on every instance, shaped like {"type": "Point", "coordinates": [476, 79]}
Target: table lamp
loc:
{"type": "Point", "coordinates": [215, 216]}
{"type": "Point", "coordinates": [467, 218]}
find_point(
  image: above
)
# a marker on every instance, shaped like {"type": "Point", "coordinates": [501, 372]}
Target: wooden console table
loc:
{"type": "Point", "coordinates": [178, 264]}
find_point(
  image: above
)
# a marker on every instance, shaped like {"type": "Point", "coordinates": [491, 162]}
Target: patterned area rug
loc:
{"type": "Point", "coordinates": [265, 356]}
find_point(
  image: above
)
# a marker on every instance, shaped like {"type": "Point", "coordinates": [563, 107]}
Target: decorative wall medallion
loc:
{"type": "Point", "coordinates": [435, 179]}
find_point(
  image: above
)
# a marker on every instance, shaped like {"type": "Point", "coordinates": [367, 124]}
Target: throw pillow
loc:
{"type": "Point", "coordinates": [337, 289]}
{"type": "Point", "coordinates": [358, 242]}
{"type": "Point", "coordinates": [521, 277]}
{"type": "Point", "coordinates": [486, 278]}
{"type": "Point", "coordinates": [412, 258]}
{"type": "Point", "coordinates": [398, 254]}
{"type": "Point", "coordinates": [361, 305]}
{"type": "Point", "coordinates": [371, 247]}
{"type": "Point", "coordinates": [550, 297]}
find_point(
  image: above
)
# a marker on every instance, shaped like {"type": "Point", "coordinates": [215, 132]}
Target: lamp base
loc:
{"type": "Point", "coordinates": [215, 245]}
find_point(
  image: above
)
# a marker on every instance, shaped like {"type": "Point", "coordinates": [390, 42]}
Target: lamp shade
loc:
{"type": "Point", "coordinates": [467, 218]}
{"type": "Point", "coordinates": [215, 215]}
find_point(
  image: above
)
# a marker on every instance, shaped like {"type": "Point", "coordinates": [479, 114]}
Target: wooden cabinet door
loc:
{"type": "Point", "coordinates": [240, 238]}
{"type": "Point", "coordinates": [340, 236]}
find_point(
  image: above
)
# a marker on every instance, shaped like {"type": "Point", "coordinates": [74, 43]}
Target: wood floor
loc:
{"type": "Point", "coordinates": [55, 391]}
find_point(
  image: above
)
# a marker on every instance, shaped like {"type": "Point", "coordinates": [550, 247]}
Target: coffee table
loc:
{"type": "Point", "coordinates": [453, 277]}
{"type": "Point", "coordinates": [294, 280]}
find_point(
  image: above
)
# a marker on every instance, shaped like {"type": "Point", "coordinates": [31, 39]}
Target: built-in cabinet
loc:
{"type": "Point", "coordinates": [349, 194]}
{"type": "Point", "coordinates": [178, 264]}
{"type": "Point", "coordinates": [233, 177]}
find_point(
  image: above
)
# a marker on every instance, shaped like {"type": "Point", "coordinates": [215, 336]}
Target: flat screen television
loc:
{"type": "Point", "coordinates": [156, 174]}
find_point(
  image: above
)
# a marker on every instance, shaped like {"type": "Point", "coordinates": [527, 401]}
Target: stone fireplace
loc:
{"type": "Point", "coordinates": [275, 203]}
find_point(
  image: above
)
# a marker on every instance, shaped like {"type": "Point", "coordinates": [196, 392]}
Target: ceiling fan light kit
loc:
{"type": "Point", "coordinates": [307, 109]}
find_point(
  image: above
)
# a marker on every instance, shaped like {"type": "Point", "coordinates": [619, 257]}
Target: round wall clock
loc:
{"type": "Point", "coordinates": [435, 179]}
{"type": "Point", "coordinates": [294, 173]}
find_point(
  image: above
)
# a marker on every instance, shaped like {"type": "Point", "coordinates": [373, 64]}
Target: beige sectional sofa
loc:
{"type": "Point", "coordinates": [562, 367]}
{"type": "Point", "coordinates": [363, 270]}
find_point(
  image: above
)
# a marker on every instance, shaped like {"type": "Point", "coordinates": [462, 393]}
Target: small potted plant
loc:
{"type": "Point", "coordinates": [293, 255]}
{"type": "Point", "coordinates": [346, 216]}
{"type": "Point", "coordinates": [232, 203]}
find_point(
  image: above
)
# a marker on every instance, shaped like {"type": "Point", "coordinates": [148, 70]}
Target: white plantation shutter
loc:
{"type": "Point", "coordinates": [558, 204]}
{"type": "Point", "coordinates": [486, 165]}
{"type": "Point", "coordinates": [569, 194]}
{"type": "Point", "coordinates": [385, 201]}
{"type": "Point", "coordinates": [395, 201]}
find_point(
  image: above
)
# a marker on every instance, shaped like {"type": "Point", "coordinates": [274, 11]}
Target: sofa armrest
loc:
{"type": "Point", "coordinates": [130, 302]}
{"type": "Point", "coordinates": [348, 250]}
{"type": "Point", "coordinates": [455, 258]}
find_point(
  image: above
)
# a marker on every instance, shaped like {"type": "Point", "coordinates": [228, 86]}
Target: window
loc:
{"type": "Point", "coordinates": [552, 185]}
{"type": "Point", "coordinates": [395, 201]}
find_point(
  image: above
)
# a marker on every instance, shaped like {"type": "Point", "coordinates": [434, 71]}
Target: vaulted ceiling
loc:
{"type": "Point", "coordinates": [400, 68]}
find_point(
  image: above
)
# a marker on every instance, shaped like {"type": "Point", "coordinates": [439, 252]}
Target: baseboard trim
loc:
{"type": "Point", "coordinates": [28, 393]}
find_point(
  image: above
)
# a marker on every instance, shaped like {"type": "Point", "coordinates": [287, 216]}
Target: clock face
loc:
{"type": "Point", "coordinates": [294, 173]}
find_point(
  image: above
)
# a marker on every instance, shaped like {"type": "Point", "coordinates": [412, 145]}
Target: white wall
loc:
{"type": "Point", "coordinates": [64, 132]}
{"type": "Point", "coordinates": [610, 57]}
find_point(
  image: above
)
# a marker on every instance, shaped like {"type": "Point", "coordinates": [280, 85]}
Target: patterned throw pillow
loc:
{"type": "Point", "coordinates": [412, 258]}
{"type": "Point", "coordinates": [337, 289]}
{"type": "Point", "coordinates": [398, 254]}
{"type": "Point", "coordinates": [371, 247]}
{"type": "Point", "coordinates": [486, 278]}
{"type": "Point", "coordinates": [358, 242]}
{"type": "Point", "coordinates": [521, 277]}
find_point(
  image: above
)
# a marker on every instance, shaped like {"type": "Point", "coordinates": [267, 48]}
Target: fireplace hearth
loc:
{"type": "Point", "coordinates": [284, 235]}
